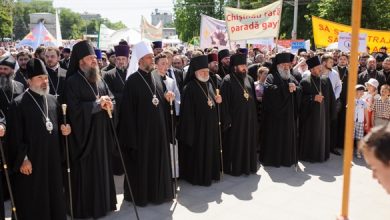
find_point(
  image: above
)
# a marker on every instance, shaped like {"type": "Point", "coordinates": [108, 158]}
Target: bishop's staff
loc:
{"type": "Point", "coordinates": [68, 164]}
{"type": "Point", "coordinates": [220, 132]}
{"type": "Point", "coordinates": [8, 181]}
{"type": "Point", "coordinates": [109, 112]}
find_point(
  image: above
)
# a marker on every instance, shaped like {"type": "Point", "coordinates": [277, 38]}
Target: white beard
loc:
{"type": "Point", "coordinates": [40, 91]}
{"type": "Point", "coordinates": [203, 79]}
{"type": "Point", "coordinates": [284, 74]}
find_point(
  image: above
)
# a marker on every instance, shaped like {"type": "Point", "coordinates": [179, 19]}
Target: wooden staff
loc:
{"type": "Point", "coordinates": [352, 79]}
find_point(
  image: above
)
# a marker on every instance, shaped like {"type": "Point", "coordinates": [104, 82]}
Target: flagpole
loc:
{"type": "Point", "coordinates": [352, 79]}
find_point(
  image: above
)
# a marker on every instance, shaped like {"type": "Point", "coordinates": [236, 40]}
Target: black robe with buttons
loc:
{"type": "Point", "coordinates": [144, 139]}
{"type": "Point", "coordinates": [40, 195]}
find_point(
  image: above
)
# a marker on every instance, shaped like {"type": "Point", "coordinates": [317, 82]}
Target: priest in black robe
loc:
{"type": "Point", "coordinates": [239, 120]}
{"type": "Point", "coordinates": [34, 149]}
{"type": "Point", "coordinates": [57, 75]}
{"type": "Point", "coordinates": [215, 79]}
{"type": "Point", "coordinates": [21, 76]}
{"type": "Point", "coordinates": [198, 128]}
{"type": "Point", "coordinates": [280, 102]}
{"type": "Point", "coordinates": [143, 132]}
{"type": "Point", "coordinates": [318, 109]}
{"type": "Point", "coordinates": [92, 140]}
{"type": "Point", "coordinates": [10, 89]}
{"type": "Point", "coordinates": [115, 79]}
{"type": "Point", "coordinates": [224, 62]}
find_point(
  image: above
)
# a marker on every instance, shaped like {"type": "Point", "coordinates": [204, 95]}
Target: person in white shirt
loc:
{"type": "Point", "coordinates": [360, 114]}
{"type": "Point", "coordinates": [334, 77]}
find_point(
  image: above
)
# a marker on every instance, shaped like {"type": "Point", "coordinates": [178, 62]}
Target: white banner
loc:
{"type": "Point", "coordinates": [150, 32]}
{"type": "Point", "coordinates": [253, 24]}
{"type": "Point", "coordinates": [344, 43]}
{"type": "Point", "coordinates": [213, 33]}
{"type": "Point", "coordinates": [105, 37]}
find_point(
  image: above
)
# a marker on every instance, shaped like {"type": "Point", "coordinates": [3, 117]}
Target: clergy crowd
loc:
{"type": "Point", "coordinates": [72, 118]}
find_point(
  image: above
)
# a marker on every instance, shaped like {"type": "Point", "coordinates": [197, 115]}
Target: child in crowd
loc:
{"type": "Point", "coordinates": [381, 107]}
{"type": "Point", "coordinates": [360, 113]}
{"type": "Point", "coordinates": [369, 97]}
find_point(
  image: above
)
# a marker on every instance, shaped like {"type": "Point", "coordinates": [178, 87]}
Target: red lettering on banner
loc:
{"type": "Point", "coordinates": [332, 40]}
{"type": "Point", "coordinates": [255, 25]}
{"type": "Point", "coordinates": [324, 28]}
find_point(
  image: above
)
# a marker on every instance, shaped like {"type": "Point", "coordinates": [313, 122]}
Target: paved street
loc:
{"type": "Point", "coordinates": [314, 193]}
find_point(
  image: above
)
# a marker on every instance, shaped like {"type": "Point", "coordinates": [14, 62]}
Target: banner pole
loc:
{"type": "Point", "coordinates": [349, 131]}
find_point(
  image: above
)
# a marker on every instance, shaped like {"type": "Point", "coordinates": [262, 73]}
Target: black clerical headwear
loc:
{"type": "Point", "coordinates": [313, 62]}
{"type": "Point", "coordinates": [80, 50]}
{"type": "Point", "coordinates": [8, 61]}
{"type": "Point", "coordinates": [237, 59]}
{"type": "Point", "coordinates": [35, 67]}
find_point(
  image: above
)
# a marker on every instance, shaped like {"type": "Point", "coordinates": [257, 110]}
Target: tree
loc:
{"type": "Point", "coordinates": [6, 22]}
{"type": "Point", "coordinates": [21, 15]}
{"type": "Point", "coordinates": [188, 13]}
{"type": "Point", "coordinates": [72, 25]}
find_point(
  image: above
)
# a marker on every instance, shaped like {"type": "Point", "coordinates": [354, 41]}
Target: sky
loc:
{"type": "Point", "coordinates": [127, 11]}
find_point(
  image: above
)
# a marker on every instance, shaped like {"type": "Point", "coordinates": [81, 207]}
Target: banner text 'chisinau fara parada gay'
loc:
{"type": "Point", "coordinates": [326, 32]}
{"type": "Point", "coordinates": [253, 24]}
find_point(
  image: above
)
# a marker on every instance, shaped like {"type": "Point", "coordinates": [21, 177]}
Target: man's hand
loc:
{"type": "Point", "coordinates": [218, 99]}
{"type": "Point", "coordinates": [26, 167]}
{"type": "Point", "coordinates": [292, 87]}
{"type": "Point", "coordinates": [169, 96]}
{"type": "Point", "coordinates": [2, 130]}
{"type": "Point", "coordinates": [318, 98]}
{"type": "Point", "coordinates": [106, 103]}
{"type": "Point", "coordinates": [66, 129]}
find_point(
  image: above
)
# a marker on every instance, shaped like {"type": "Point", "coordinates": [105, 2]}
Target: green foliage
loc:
{"type": "Point", "coordinates": [375, 14]}
{"type": "Point", "coordinates": [188, 13]}
{"type": "Point", "coordinates": [6, 22]}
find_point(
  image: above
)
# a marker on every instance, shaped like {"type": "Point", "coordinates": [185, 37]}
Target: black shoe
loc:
{"type": "Point", "coordinates": [335, 152]}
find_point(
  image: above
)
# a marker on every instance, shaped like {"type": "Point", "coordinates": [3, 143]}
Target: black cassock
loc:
{"type": "Point", "coordinates": [198, 135]}
{"type": "Point", "coordinates": [240, 126]}
{"type": "Point", "coordinates": [91, 144]}
{"type": "Point", "coordinates": [279, 147]}
{"type": "Point", "coordinates": [6, 98]}
{"type": "Point", "coordinates": [57, 79]}
{"type": "Point", "coordinates": [144, 139]}
{"type": "Point", "coordinates": [315, 119]}
{"type": "Point", "coordinates": [115, 80]}
{"type": "Point", "coordinates": [40, 195]}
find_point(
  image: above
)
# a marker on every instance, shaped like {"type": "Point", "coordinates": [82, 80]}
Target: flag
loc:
{"type": "Point", "coordinates": [213, 33]}
{"type": "Point", "coordinates": [254, 24]}
{"type": "Point", "coordinates": [150, 32]}
{"type": "Point", "coordinates": [37, 37]}
{"type": "Point", "coordinates": [58, 29]}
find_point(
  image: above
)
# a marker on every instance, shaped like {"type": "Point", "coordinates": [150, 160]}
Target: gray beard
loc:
{"type": "Point", "coordinates": [284, 74]}
{"type": "Point", "coordinates": [92, 74]}
{"type": "Point", "coordinates": [40, 91]}
{"type": "Point", "coordinates": [5, 82]}
{"type": "Point", "coordinates": [203, 79]}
